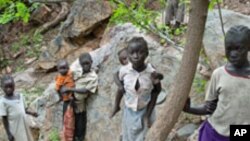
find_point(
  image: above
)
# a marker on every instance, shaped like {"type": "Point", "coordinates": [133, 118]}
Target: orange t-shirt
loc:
{"type": "Point", "coordinates": [67, 81]}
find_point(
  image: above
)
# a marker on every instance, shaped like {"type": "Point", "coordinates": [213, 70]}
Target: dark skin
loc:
{"type": "Point", "coordinates": [236, 53]}
{"type": "Point", "coordinates": [63, 68]}
{"type": "Point", "coordinates": [85, 63]}
{"type": "Point", "coordinates": [137, 53]}
{"type": "Point", "coordinates": [123, 58]}
{"type": "Point", "coordinates": [8, 87]}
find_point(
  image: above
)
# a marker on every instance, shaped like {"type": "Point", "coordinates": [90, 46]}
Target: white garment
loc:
{"type": "Point", "coordinates": [15, 111]}
{"type": "Point", "coordinates": [136, 99]}
{"type": "Point", "coordinates": [233, 94]}
{"type": "Point", "coordinates": [88, 81]}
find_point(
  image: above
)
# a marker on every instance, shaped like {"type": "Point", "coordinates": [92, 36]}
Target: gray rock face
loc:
{"type": "Point", "coordinates": [84, 17]}
{"type": "Point", "coordinates": [81, 32]}
{"type": "Point", "coordinates": [213, 39]}
{"type": "Point", "coordinates": [105, 61]}
{"type": "Point", "coordinates": [25, 79]}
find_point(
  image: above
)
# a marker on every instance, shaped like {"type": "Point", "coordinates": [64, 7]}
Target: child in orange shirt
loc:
{"type": "Point", "coordinates": [64, 79]}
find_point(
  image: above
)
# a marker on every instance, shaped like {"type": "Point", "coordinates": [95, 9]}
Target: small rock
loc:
{"type": "Point", "coordinates": [25, 79]}
{"type": "Point", "coordinates": [184, 132]}
{"type": "Point", "coordinates": [30, 60]}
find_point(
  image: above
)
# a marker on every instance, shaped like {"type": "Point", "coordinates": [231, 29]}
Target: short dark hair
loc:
{"type": "Point", "coordinates": [239, 30]}
{"type": "Point", "coordinates": [62, 61]}
{"type": "Point", "coordinates": [139, 40]}
{"type": "Point", "coordinates": [85, 55]}
{"type": "Point", "coordinates": [6, 77]}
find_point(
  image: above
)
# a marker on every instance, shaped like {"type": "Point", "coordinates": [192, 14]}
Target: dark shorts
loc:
{"type": "Point", "coordinates": [80, 126]}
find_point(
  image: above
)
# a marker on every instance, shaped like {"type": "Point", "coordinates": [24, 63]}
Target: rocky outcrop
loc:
{"type": "Point", "coordinates": [82, 31]}
{"type": "Point", "coordinates": [84, 17]}
{"type": "Point", "coordinates": [105, 61]}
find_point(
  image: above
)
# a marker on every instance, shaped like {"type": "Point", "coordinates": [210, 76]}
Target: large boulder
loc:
{"type": "Point", "coordinates": [105, 61]}
{"type": "Point", "coordinates": [213, 39]}
{"type": "Point", "coordinates": [82, 31]}
{"type": "Point", "coordinates": [84, 17]}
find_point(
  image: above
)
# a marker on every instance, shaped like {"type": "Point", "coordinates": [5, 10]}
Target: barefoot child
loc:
{"type": "Point", "coordinates": [140, 91]}
{"type": "Point", "coordinates": [13, 112]}
{"type": "Point", "coordinates": [227, 98]}
{"type": "Point", "coordinates": [86, 84]}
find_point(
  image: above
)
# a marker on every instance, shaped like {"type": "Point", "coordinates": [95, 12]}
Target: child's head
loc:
{"type": "Point", "coordinates": [137, 51]}
{"type": "Point", "coordinates": [63, 67]}
{"type": "Point", "coordinates": [8, 84]}
{"type": "Point", "coordinates": [123, 56]}
{"type": "Point", "coordinates": [85, 61]}
{"type": "Point", "coordinates": [237, 45]}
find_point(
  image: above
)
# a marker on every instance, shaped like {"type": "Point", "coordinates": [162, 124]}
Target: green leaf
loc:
{"type": "Point", "coordinates": [14, 10]}
{"type": "Point", "coordinates": [22, 12]}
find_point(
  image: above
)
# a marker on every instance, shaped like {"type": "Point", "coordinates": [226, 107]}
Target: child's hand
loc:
{"type": "Point", "coordinates": [34, 114]}
{"type": "Point", "coordinates": [156, 77]}
{"type": "Point", "coordinates": [147, 121]}
{"type": "Point", "coordinates": [115, 110]}
{"type": "Point", "coordinates": [187, 105]}
{"type": "Point", "coordinates": [11, 137]}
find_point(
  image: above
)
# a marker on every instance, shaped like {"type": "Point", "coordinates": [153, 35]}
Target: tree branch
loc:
{"type": "Point", "coordinates": [221, 19]}
{"type": "Point", "coordinates": [152, 28]}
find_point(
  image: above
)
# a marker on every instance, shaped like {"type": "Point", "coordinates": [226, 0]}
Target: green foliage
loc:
{"type": "Point", "coordinates": [213, 3]}
{"type": "Point", "coordinates": [32, 93]}
{"type": "Point", "coordinates": [4, 63]}
{"type": "Point", "coordinates": [199, 84]}
{"type": "Point", "coordinates": [180, 30]}
{"type": "Point", "coordinates": [54, 135]}
{"type": "Point", "coordinates": [31, 41]}
{"type": "Point", "coordinates": [135, 12]}
{"type": "Point", "coordinates": [143, 18]}
{"type": "Point", "coordinates": [22, 12]}
{"type": "Point", "coordinates": [15, 10]}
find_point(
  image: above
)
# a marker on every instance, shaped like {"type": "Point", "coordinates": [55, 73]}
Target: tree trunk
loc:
{"type": "Point", "coordinates": [181, 88]}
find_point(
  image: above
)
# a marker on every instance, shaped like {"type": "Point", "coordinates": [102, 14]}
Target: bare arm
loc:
{"type": "Point", "coordinates": [205, 109]}
{"type": "Point", "coordinates": [30, 113]}
{"type": "Point", "coordinates": [80, 91]}
{"type": "Point", "coordinates": [6, 126]}
{"type": "Point", "coordinates": [119, 94]}
{"type": "Point", "coordinates": [154, 94]}
{"type": "Point", "coordinates": [118, 98]}
{"type": "Point", "coordinates": [117, 81]}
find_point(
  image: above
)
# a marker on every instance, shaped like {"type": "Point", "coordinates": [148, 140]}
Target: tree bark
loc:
{"type": "Point", "coordinates": [183, 82]}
